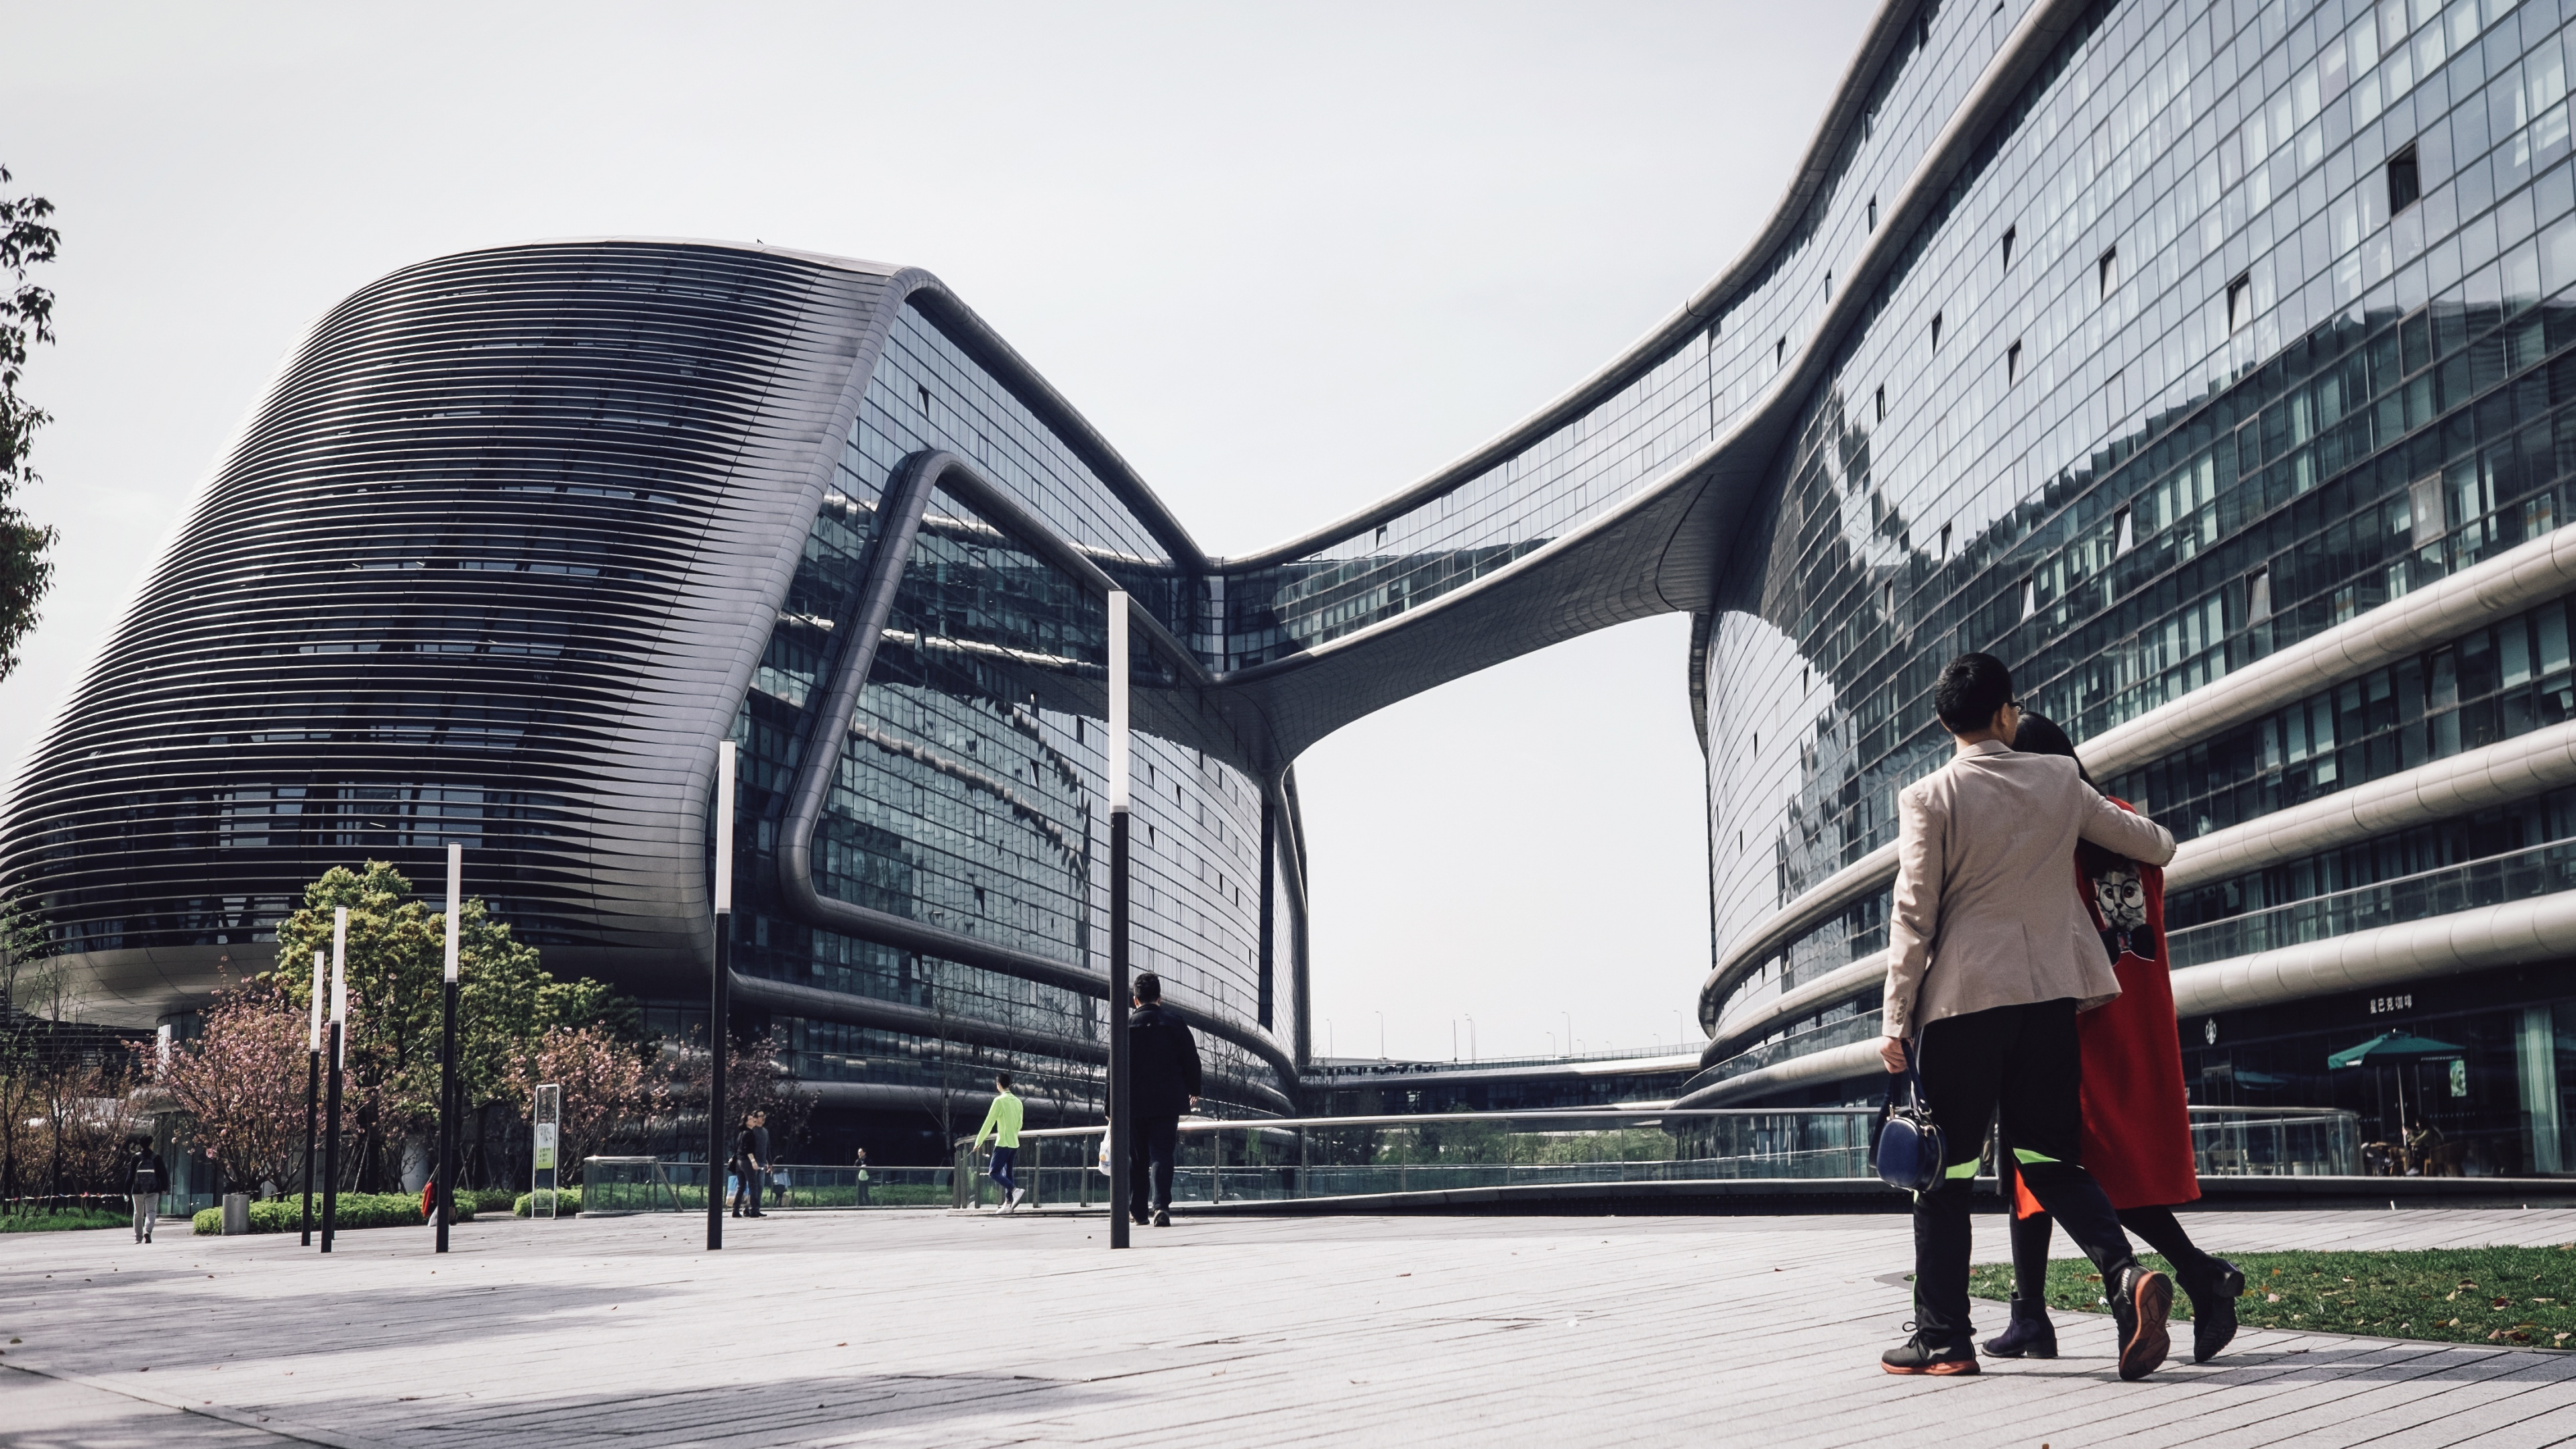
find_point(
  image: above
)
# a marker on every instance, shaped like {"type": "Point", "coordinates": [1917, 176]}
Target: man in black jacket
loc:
{"type": "Point", "coordinates": [145, 1177]}
{"type": "Point", "coordinates": [1163, 1073]}
{"type": "Point", "coordinates": [751, 1165]}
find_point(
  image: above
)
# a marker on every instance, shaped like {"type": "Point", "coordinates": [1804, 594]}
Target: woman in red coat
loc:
{"type": "Point", "coordinates": [2137, 1124]}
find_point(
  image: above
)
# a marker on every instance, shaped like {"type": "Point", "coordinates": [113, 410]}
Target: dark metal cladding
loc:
{"type": "Point", "coordinates": [492, 563]}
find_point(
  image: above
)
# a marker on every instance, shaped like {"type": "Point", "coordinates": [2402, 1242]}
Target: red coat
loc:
{"type": "Point", "coordinates": [2137, 1122]}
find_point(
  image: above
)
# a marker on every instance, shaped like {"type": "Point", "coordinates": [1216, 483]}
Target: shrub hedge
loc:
{"type": "Point", "coordinates": [71, 1220]}
{"type": "Point", "coordinates": [355, 1210]}
{"type": "Point", "coordinates": [567, 1202]}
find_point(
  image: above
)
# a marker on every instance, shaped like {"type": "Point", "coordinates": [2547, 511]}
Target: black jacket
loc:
{"type": "Point", "coordinates": [751, 1148]}
{"type": "Point", "coordinates": [143, 1163]}
{"type": "Point", "coordinates": [1162, 1061]}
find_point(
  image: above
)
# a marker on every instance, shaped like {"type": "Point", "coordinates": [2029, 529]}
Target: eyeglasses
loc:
{"type": "Point", "coordinates": [2014, 704]}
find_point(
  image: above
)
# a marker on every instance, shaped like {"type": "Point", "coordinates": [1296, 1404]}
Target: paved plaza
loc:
{"type": "Point", "coordinates": [931, 1328]}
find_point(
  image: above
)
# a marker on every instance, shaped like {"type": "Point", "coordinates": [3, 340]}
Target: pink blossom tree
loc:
{"type": "Point", "coordinates": [242, 1083]}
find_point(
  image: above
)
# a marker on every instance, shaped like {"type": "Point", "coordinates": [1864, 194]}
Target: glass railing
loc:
{"type": "Point", "coordinates": [2540, 871]}
{"type": "Point", "coordinates": [1298, 1158]}
{"type": "Point", "coordinates": [617, 1185]}
{"type": "Point", "coordinates": [1327, 1157]}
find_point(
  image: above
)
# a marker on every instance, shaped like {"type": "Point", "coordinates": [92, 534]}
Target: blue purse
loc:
{"type": "Point", "coordinates": [1909, 1141]}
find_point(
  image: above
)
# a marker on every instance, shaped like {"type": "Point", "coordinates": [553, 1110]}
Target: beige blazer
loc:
{"type": "Point", "coordinates": [1986, 913]}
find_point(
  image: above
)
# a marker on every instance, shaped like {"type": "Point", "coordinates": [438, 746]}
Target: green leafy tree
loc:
{"type": "Point", "coordinates": [26, 318]}
{"type": "Point", "coordinates": [396, 961]}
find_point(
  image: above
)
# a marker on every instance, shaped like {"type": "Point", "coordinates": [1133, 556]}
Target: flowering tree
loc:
{"type": "Point", "coordinates": [242, 1082]}
{"type": "Point", "coordinates": [603, 1081]}
{"type": "Point", "coordinates": [397, 954]}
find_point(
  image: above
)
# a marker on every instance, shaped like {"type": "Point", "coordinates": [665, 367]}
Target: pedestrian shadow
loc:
{"type": "Point", "coordinates": [2381, 1362]}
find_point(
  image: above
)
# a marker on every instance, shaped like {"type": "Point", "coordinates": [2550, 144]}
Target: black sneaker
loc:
{"type": "Point", "coordinates": [1917, 1356]}
{"type": "Point", "coordinates": [1162, 1217]}
{"type": "Point", "coordinates": [2213, 1310]}
{"type": "Point", "coordinates": [2140, 1303]}
{"type": "Point", "coordinates": [2030, 1335]}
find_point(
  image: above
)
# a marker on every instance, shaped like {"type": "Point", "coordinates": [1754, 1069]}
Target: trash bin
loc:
{"type": "Point", "coordinates": [236, 1214]}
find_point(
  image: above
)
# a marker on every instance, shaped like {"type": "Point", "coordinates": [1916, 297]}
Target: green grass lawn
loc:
{"type": "Point", "coordinates": [2513, 1297]}
{"type": "Point", "coordinates": [71, 1220]}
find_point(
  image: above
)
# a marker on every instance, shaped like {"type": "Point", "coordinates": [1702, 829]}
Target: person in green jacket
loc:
{"type": "Point", "coordinates": [1002, 1124]}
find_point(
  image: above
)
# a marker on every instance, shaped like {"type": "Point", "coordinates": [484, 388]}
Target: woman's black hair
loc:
{"type": "Point", "coordinates": [2040, 735]}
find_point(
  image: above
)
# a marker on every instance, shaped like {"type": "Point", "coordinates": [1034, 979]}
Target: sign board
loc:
{"type": "Point", "coordinates": [548, 1125]}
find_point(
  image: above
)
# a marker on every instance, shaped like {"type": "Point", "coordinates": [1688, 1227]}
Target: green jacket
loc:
{"type": "Point", "coordinates": [1001, 1120]}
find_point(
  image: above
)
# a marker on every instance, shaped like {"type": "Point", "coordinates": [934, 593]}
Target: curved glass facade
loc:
{"type": "Point", "coordinates": [2245, 323]}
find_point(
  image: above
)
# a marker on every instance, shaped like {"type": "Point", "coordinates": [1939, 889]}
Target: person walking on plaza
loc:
{"type": "Point", "coordinates": [144, 1179]}
{"type": "Point", "coordinates": [1163, 1073]}
{"type": "Point", "coordinates": [1002, 1124]}
{"type": "Point", "coordinates": [751, 1165]}
{"type": "Point", "coordinates": [862, 1163]}
{"type": "Point", "coordinates": [1985, 976]}
{"type": "Point", "coordinates": [2137, 1120]}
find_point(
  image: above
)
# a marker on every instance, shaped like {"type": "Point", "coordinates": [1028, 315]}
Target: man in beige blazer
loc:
{"type": "Point", "coordinates": [1990, 957]}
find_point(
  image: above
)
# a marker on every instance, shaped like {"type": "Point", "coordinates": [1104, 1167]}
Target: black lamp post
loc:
{"type": "Point", "coordinates": [717, 996]}
{"type": "Point", "coordinates": [339, 1046]}
{"type": "Point", "coordinates": [445, 1182]}
{"type": "Point", "coordinates": [1122, 1119]}
{"type": "Point", "coordinates": [312, 1093]}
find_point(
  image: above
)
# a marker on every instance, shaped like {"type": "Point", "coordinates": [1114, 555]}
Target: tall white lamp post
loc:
{"type": "Point", "coordinates": [339, 1048]}
{"type": "Point", "coordinates": [447, 1102]}
{"type": "Point", "coordinates": [718, 997]}
{"type": "Point", "coordinates": [1122, 1117]}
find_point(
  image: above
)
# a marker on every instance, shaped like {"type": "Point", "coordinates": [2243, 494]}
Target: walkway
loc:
{"type": "Point", "coordinates": [939, 1330]}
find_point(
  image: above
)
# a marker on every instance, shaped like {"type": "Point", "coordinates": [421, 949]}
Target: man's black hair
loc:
{"type": "Point", "coordinates": [1002, 1080]}
{"type": "Point", "coordinates": [1971, 688]}
{"type": "Point", "coordinates": [1149, 987]}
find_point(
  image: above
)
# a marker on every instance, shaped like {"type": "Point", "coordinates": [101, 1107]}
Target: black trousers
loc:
{"type": "Point", "coordinates": [1157, 1141]}
{"type": "Point", "coordinates": [746, 1190]}
{"type": "Point", "coordinates": [2023, 1064]}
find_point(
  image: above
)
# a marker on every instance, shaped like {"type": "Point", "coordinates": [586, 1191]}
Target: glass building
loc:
{"type": "Point", "coordinates": [2212, 363]}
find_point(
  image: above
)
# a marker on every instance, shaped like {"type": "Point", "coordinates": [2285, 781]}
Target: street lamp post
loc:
{"type": "Point", "coordinates": [1471, 1036]}
{"type": "Point", "coordinates": [312, 1093]}
{"type": "Point", "coordinates": [338, 1050]}
{"type": "Point", "coordinates": [1122, 1118]}
{"type": "Point", "coordinates": [718, 994]}
{"type": "Point", "coordinates": [447, 1048]}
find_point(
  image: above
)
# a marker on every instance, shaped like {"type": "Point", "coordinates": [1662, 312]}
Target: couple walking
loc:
{"type": "Point", "coordinates": [2020, 997]}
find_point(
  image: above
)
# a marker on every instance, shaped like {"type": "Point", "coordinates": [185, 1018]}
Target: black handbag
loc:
{"type": "Point", "coordinates": [1909, 1148]}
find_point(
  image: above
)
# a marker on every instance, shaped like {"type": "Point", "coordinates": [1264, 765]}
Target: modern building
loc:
{"type": "Point", "coordinates": [2206, 361]}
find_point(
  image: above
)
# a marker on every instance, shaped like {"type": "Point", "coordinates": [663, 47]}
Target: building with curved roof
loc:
{"type": "Point", "coordinates": [2203, 361]}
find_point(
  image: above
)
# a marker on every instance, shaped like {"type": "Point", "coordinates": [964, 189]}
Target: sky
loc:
{"type": "Point", "coordinates": [1288, 259]}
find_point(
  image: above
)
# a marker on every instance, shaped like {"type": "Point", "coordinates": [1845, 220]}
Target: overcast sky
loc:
{"type": "Point", "coordinates": [1287, 259]}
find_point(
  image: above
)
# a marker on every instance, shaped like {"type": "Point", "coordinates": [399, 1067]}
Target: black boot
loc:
{"type": "Point", "coordinates": [2029, 1335]}
{"type": "Point", "coordinates": [1918, 1356]}
{"type": "Point", "coordinates": [2213, 1308]}
{"type": "Point", "coordinates": [2141, 1301]}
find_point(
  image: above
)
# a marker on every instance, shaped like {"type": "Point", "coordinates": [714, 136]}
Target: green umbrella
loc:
{"type": "Point", "coordinates": [2397, 1048]}
{"type": "Point", "coordinates": [2392, 1046]}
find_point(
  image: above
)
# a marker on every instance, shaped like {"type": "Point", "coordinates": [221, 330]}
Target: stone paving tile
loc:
{"type": "Point", "coordinates": [900, 1329]}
